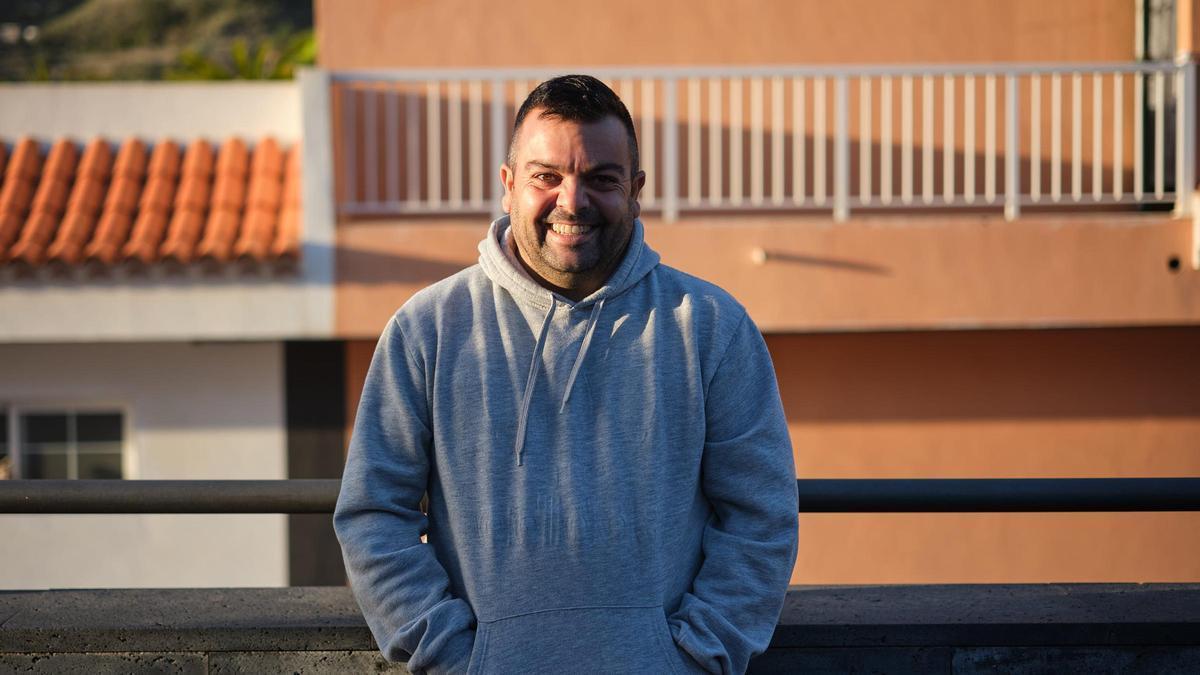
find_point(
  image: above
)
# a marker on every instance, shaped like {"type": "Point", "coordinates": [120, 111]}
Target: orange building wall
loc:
{"type": "Point", "coordinates": [1118, 402]}
{"type": "Point", "coordinates": [864, 317]}
{"type": "Point", "coordinates": [872, 273]}
{"type": "Point", "coordinates": [466, 33]}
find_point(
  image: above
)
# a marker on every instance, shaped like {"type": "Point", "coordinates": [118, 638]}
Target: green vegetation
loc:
{"type": "Point", "coordinates": [155, 39]}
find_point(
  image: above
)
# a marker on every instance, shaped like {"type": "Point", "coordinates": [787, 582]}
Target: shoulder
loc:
{"type": "Point", "coordinates": [428, 307]}
{"type": "Point", "coordinates": [707, 302]}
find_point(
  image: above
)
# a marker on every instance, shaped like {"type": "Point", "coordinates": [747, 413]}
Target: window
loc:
{"type": "Point", "coordinates": [64, 444]}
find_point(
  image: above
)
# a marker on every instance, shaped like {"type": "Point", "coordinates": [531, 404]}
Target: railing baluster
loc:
{"type": "Point", "coordinates": [412, 148]}
{"type": "Point", "coordinates": [499, 115]}
{"type": "Point", "coordinates": [1012, 151]}
{"type": "Point", "coordinates": [757, 163]}
{"type": "Point", "coordinates": [1097, 124]}
{"type": "Point", "coordinates": [799, 141]}
{"type": "Point", "coordinates": [820, 139]}
{"type": "Point", "coordinates": [433, 138]}
{"type": "Point", "coordinates": [1035, 138]}
{"type": "Point", "coordinates": [670, 184]}
{"type": "Point", "coordinates": [454, 142]}
{"type": "Point", "coordinates": [989, 141]}
{"type": "Point", "coordinates": [820, 142]}
{"type": "Point", "coordinates": [694, 163]}
{"type": "Point", "coordinates": [1055, 137]}
{"type": "Point", "coordinates": [841, 150]}
{"type": "Point", "coordinates": [1118, 169]}
{"type": "Point", "coordinates": [1076, 136]}
{"type": "Point", "coordinates": [1139, 130]}
{"type": "Point", "coordinates": [475, 115]}
{"type": "Point", "coordinates": [885, 139]}
{"type": "Point", "coordinates": [906, 139]}
{"type": "Point", "coordinates": [969, 139]}
{"type": "Point", "coordinates": [649, 149]}
{"type": "Point", "coordinates": [1160, 104]}
{"type": "Point", "coordinates": [948, 148]}
{"type": "Point", "coordinates": [927, 139]}
{"type": "Point", "coordinates": [1185, 143]}
{"type": "Point", "coordinates": [350, 122]}
{"type": "Point", "coordinates": [391, 174]}
{"type": "Point", "coordinates": [370, 146]}
{"type": "Point", "coordinates": [736, 160]}
{"type": "Point", "coordinates": [865, 139]}
{"type": "Point", "coordinates": [715, 142]}
{"type": "Point", "coordinates": [776, 140]}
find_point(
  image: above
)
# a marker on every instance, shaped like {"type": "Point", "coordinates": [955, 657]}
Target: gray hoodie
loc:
{"type": "Point", "coordinates": [610, 481]}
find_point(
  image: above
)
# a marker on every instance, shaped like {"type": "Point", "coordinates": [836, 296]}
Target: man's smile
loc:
{"type": "Point", "coordinates": [567, 229]}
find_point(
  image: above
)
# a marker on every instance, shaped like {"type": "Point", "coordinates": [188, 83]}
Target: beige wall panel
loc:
{"type": "Point", "coordinates": [465, 33]}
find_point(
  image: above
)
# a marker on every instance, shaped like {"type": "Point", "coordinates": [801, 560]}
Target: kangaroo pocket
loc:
{"type": "Point", "coordinates": [588, 640]}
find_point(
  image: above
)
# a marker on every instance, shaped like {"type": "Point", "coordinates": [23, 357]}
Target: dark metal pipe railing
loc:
{"type": "Point", "coordinates": [922, 495]}
{"type": "Point", "coordinates": [168, 496]}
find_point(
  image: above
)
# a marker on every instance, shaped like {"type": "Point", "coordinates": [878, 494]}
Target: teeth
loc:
{"type": "Point", "coordinates": [571, 229]}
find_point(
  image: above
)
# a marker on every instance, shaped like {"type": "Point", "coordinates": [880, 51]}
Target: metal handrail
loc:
{"type": "Point", "coordinates": [920, 495]}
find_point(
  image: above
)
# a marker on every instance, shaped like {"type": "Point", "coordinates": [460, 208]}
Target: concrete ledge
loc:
{"type": "Point", "coordinates": [919, 629]}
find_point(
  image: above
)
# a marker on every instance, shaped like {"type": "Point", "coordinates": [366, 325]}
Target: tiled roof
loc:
{"type": "Point", "coordinates": [135, 203]}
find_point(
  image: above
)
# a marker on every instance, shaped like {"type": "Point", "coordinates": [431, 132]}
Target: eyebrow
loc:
{"type": "Point", "coordinates": [599, 168]}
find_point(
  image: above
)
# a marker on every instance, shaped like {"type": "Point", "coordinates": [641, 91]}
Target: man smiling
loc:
{"type": "Point", "coordinates": [609, 477]}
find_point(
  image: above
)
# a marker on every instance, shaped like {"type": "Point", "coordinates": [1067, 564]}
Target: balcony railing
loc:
{"type": "Point", "coordinates": [920, 495]}
{"type": "Point", "coordinates": [836, 139]}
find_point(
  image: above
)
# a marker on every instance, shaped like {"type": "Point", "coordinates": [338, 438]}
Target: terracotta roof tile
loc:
{"type": "Point", "coordinates": [164, 161]}
{"type": "Point", "coordinates": [287, 232]}
{"type": "Point", "coordinates": [111, 232]}
{"type": "Point", "coordinates": [183, 231]}
{"type": "Point", "coordinates": [26, 161]}
{"type": "Point", "coordinates": [15, 195]}
{"type": "Point", "coordinates": [111, 203]}
{"type": "Point", "coordinates": [147, 234]}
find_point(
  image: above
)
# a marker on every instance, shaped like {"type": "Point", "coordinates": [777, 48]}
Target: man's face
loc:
{"type": "Point", "coordinates": [571, 199]}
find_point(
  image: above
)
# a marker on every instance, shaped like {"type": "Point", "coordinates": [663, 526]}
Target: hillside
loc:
{"type": "Point", "coordinates": [153, 39]}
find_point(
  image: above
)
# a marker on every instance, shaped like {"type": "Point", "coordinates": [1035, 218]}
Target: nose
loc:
{"type": "Point", "coordinates": [572, 195]}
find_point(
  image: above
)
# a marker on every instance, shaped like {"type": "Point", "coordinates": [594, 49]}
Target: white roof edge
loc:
{"type": "Point", "coordinates": [151, 110]}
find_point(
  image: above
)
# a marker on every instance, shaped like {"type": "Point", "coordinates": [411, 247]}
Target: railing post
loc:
{"type": "Point", "coordinates": [1012, 151]}
{"type": "Point", "coordinates": [841, 156]}
{"type": "Point", "coordinates": [498, 139]}
{"type": "Point", "coordinates": [670, 187]}
{"type": "Point", "coordinates": [1185, 136]}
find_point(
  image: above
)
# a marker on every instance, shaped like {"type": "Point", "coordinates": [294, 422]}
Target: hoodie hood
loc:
{"type": "Point", "coordinates": [503, 270]}
{"type": "Point", "coordinates": [638, 261]}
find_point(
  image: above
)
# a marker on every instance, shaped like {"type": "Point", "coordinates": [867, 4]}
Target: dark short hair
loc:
{"type": "Point", "coordinates": [576, 98]}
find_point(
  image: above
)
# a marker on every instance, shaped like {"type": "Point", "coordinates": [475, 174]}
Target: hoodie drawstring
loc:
{"type": "Point", "coordinates": [523, 419]}
{"type": "Point", "coordinates": [587, 340]}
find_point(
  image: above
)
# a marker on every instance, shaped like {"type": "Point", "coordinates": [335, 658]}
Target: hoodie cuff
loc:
{"type": "Point", "coordinates": [455, 655]}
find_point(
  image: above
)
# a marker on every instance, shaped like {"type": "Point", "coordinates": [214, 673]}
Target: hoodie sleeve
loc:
{"type": "Point", "coordinates": [402, 588]}
{"type": "Point", "coordinates": [749, 477]}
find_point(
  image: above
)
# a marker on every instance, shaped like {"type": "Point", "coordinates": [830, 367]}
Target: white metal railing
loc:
{"type": "Point", "coordinates": [797, 138]}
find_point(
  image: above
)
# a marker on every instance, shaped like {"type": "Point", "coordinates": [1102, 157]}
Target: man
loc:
{"type": "Point", "coordinates": [609, 477]}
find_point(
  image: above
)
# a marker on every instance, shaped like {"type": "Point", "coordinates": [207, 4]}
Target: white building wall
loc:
{"type": "Point", "coordinates": [165, 303]}
{"type": "Point", "coordinates": [151, 111]}
{"type": "Point", "coordinates": [195, 411]}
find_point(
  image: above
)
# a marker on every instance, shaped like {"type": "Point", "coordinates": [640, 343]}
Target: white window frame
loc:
{"type": "Point", "coordinates": [12, 410]}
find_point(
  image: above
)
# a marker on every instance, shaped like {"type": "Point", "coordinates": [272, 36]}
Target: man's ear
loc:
{"type": "Point", "coordinates": [639, 182]}
{"type": "Point", "coordinates": [507, 179]}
